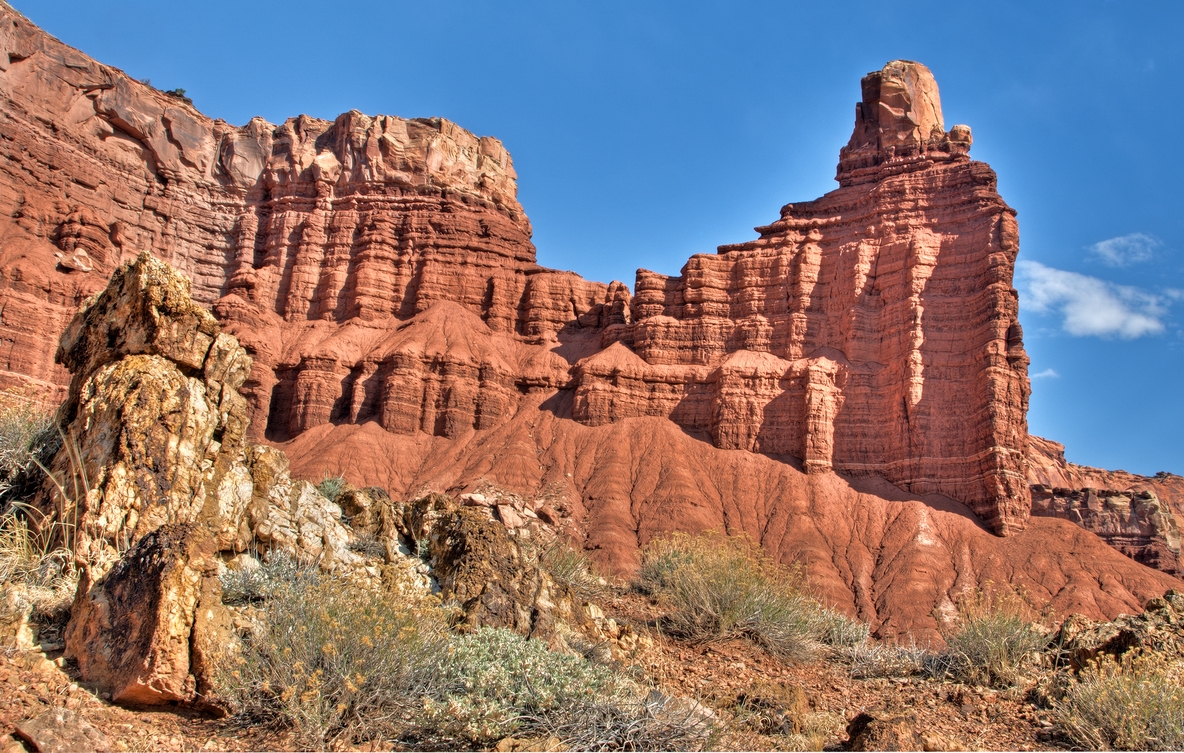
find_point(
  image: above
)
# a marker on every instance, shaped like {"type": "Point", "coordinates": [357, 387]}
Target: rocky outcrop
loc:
{"type": "Point", "coordinates": [154, 424]}
{"type": "Point", "coordinates": [1134, 523]}
{"type": "Point", "coordinates": [1158, 629]}
{"type": "Point", "coordinates": [131, 630]}
{"type": "Point", "coordinates": [155, 487]}
{"type": "Point", "coordinates": [165, 492]}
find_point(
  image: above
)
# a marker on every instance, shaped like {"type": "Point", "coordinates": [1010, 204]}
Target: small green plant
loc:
{"type": "Point", "coordinates": [1135, 705]}
{"type": "Point", "coordinates": [720, 587]}
{"type": "Point", "coordinates": [993, 641]}
{"type": "Point", "coordinates": [179, 94]}
{"type": "Point", "coordinates": [331, 487]}
{"type": "Point", "coordinates": [574, 569]}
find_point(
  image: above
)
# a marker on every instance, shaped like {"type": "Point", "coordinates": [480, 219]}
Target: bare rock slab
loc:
{"type": "Point", "coordinates": [62, 731]}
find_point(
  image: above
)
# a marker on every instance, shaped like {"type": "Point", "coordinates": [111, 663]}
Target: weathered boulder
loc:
{"type": "Point", "coordinates": [131, 629]}
{"type": "Point", "coordinates": [884, 731]}
{"type": "Point", "coordinates": [154, 425]}
{"type": "Point", "coordinates": [493, 575]}
{"type": "Point", "coordinates": [62, 730]}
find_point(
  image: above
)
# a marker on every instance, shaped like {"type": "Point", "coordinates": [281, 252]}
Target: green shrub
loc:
{"type": "Point", "coordinates": [331, 487]}
{"type": "Point", "coordinates": [1138, 705]}
{"type": "Point", "coordinates": [724, 587]}
{"type": "Point", "coordinates": [335, 664]}
{"type": "Point", "coordinates": [992, 643]}
{"type": "Point", "coordinates": [496, 684]}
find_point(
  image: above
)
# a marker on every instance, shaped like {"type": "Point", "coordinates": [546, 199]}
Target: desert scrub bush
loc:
{"type": "Point", "coordinates": [869, 660]}
{"type": "Point", "coordinates": [1135, 705]}
{"type": "Point", "coordinates": [278, 571]}
{"type": "Point", "coordinates": [495, 683]}
{"type": "Point", "coordinates": [335, 664]}
{"type": "Point", "coordinates": [331, 487]}
{"type": "Point", "coordinates": [994, 639]}
{"type": "Point", "coordinates": [719, 587]}
{"type": "Point", "coordinates": [572, 568]}
{"type": "Point", "coordinates": [28, 437]}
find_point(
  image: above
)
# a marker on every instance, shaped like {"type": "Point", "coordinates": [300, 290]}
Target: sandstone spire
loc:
{"type": "Point", "coordinates": [899, 118]}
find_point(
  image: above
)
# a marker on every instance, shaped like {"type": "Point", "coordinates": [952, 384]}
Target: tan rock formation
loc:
{"type": "Point", "coordinates": [154, 423]}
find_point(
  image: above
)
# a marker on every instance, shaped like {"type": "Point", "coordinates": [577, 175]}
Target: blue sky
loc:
{"type": "Point", "coordinates": [645, 132]}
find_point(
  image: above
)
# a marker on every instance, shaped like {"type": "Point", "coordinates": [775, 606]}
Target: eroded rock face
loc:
{"type": "Point", "coordinates": [1144, 519]}
{"type": "Point", "coordinates": [873, 331]}
{"type": "Point", "coordinates": [1134, 523]}
{"type": "Point", "coordinates": [870, 332]}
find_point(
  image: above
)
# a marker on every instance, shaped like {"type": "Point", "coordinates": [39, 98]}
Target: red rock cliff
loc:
{"type": "Point", "coordinates": [873, 331]}
{"type": "Point", "coordinates": [310, 222]}
{"type": "Point", "coordinates": [380, 273]}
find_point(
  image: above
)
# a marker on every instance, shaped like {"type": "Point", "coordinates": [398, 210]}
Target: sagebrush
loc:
{"type": "Point", "coordinates": [994, 640]}
{"type": "Point", "coordinates": [333, 663]}
{"type": "Point", "coordinates": [573, 568]}
{"type": "Point", "coordinates": [719, 587]}
{"type": "Point", "coordinates": [1137, 704]}
{"type": "Point", "coordinates": [338, 665]}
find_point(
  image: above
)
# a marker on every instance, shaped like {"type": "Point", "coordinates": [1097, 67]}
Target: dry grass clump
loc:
{"type": "Point", "coordinates": [334, 664]}
{"type": "Point", "coordinates": [28, 437]}
{"type": "Point", "coordinates": [721, 587]}
{"type": "Point", "coordinates": [1135, 705]}
{"type": "Point", "coordinates": [573, 568]}
{"type": "Point", "coordinates": [993, 642]}
{"type": "Point", "coordinates": [869, 660]}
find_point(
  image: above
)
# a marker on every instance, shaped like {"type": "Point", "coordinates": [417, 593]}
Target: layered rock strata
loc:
{"type": "Point", "coordinates": [1134, 523]}
{"type": "Point", "coordinates": [363, 218]}
{"type": "Point", "coordinates": [873, 331]}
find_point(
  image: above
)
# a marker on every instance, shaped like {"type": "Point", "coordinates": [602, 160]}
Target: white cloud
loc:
{"type": "Point", "coordinates": [1090, 306]}
{"type": "Point", "coordinates": [1046, 374]}
{"type": "Point", "coordinates": [1125, 249]}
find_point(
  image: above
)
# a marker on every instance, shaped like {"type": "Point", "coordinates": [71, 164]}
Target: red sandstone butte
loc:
{"type": "Point", "coordinates": [873, 331]}
{"type": "Point", "coordinates": [849, 389]}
